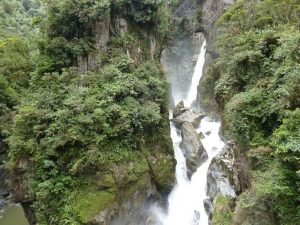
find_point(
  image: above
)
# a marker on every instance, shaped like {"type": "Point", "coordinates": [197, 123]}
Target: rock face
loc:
{"type": "Point", "coordinates": [178, 62]}
{"type": "Point", "coordinates": [188, 116]}
{"type": "Point", "coordinates": [127, 208]}
{"type": "Point", "coordinates": [222, 175]}
{"type": "Point", "coordinates": [211, 11]}
{"type": "Point", "coordinates": [182, 114]}
{"type": "Point", "coordinates": [222, 181]}
{"type": "Point", "coordinates": [21, 177]}
{"type": "Point", "coordinates": [5, 187]}
{"type": "Point", "coordinates": [121, 26]}
{"type": "Point", "coordinates": [179, 109]}
{"type": "Point", "coordinates": [187, 120]}
{"type": "Point", "coordinates": [92, 61]}
{"type": "Point", "coordinates": [192, 148]}
{"type": "Point", "coordinates": [137, 183]}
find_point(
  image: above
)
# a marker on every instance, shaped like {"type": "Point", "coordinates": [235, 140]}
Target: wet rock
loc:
{"type": "Point", "coordinates": [179, 109]}
{"type": "Point", "coordinates": [21, 174]}
{"type": "Point", "coordinates": [201, 135]}
{"type": "Point", "coordinates": [188, 116]}
{"type": "Point", "coordinates": [3, 203]}
{"type": "Point", "coordinates": [208, 206]}
{"type": "Point", "coordinates": [222, 175]}
{"type": "Point", "coordinates": [208, 132]}
{"type": "Point", "coordinates": [5, 187]}
{"type": "Point", "coordinates": [29, 212]}
{"type": "Point", "coordinates": [192, 148]}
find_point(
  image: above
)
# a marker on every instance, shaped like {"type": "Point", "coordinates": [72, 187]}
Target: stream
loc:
{"type": "Point", "coordinates": [186, 200]}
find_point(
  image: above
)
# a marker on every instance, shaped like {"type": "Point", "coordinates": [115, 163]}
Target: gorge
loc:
{"type": "Point", "coordinates": [149, 112]}
{"type": "Point", "coordinates": [186, 201]}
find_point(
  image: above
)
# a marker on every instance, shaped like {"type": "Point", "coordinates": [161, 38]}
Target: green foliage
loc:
{"type": "Point", "coordinates": [16, 17]}
{"type": "Point", "coordinates": [144, 10]}
{"type": "Point", "coordinates": [51, 191]}
{"type": "Point", "coordinates": [72, 19]}
{"type": "Point", "coordinates": [286, 138]}
{"type": "Point", "coordinates": [15, 64]}
{"type": "Point", "coordinates": [8, 99]}
{"type": "Point", "coordinates": [259, 67]}
{"type": "Point", "coordinates": [71, 123]}
{"type": "Point", "coordinates": [250, 117]}
{"type": "Point", "coordinates": [273, 191]}
{"type": "Point", "coordinates": [88, 203]}
{"type": "Point", "coordinates": [69, 32]}
{"type": "Point", "coordinates": [258, 88]}
{"type": "Point", "coordinates": [222, 214]}
{"type": "Point", "coordinates": [68, 124]}
{"type": "Point", "coordinates": [16, 53]}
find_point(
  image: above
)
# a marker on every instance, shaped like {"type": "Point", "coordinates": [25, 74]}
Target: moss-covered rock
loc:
{"type": "Point", "coordinates": [158, 151]}
{"type": "Point", "coordinates": [88, 203]}
{"type": "Point", "coordinates": [222, 214]}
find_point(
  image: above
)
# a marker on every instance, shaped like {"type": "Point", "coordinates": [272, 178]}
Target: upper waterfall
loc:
{"type": "Point", "coordinates": [193, 91]}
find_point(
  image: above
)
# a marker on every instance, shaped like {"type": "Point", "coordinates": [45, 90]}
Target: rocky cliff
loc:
{"type": "Point", "coordinates": [5, 187]}
{"type": "Point", "coordinates": [211, 11]}
{"type": "Point", "coordinates": [119, 185]}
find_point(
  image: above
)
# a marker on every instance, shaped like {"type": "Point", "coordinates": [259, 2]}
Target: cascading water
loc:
{"type": "Point", "coordinates": [186, 201]}
{"type": "Point", "coordinates": [193, 91]}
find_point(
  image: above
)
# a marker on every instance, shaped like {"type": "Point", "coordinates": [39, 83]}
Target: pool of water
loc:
{"type": "Point", "coordinates": [13, 215]}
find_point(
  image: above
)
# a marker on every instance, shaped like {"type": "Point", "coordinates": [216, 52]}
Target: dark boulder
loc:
{"type": "Point", "coordinates": [192, 148]}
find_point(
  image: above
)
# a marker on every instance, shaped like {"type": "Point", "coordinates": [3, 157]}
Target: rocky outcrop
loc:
{"type": "Point", "coordinates": [222, 175]}
{"type": "Point", "coordinates": [182, 114]}
{"type": "Point", "coordinates": [131, 194]}
{"type": "Point", "coordinates": [185, 15]}
{"type": "Point", "coordinates": [211, 11]}
{"type": "Point", "coordinates": [192, 148]}
{"type": "Point", "coordinates": [121, 26]}
{"type": "Point", "coordinates": [21, 177]}
{"type": "Point", "coordinates": [136, 183]}
{"type": "Point", "coordinates": [179, 109]}
{"type": "Point", "coordinates": [5, 187]}
{"type": "Point", "coordinates": [101, 34]}
{"type": "Point", "coordinates": [222, 184]}
{"type": "Point", "coordinates": [189, 116]}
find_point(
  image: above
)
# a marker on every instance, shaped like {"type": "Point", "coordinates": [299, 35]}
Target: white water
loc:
{"type": "Point", "coordinates": [186, 206]}
{"type": "Point", "coordinates": [192, 94]}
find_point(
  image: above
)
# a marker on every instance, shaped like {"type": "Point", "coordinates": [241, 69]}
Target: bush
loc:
{"type": "Point", "coordinates": [258, 90]}
{"type": "Point", "coordinates": [286, 138]}
{"type": "Point", "coordinates": [70, 124]}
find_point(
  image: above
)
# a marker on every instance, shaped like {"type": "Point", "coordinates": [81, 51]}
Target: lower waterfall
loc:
{"type": "Point", "coordinates": [186, 201]}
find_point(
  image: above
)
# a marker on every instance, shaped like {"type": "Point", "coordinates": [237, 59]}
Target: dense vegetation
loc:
{"type": "Point", "coordinates": [75, 127]}
{"type": "Point", "coordinates": [258, 89]}
{"type": "Point", "coordinates": [17, 51]}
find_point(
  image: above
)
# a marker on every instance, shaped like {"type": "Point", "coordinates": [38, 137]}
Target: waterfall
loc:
{"type": "Point", "coordinates": [186, 201]}
{"type": "Point", "coordinates": [193, 91]}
